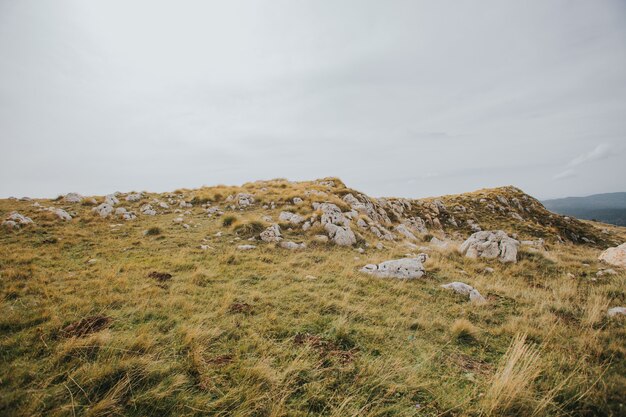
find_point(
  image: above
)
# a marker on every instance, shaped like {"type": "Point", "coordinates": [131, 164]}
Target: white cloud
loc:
{"type": "Point", "coordinates": [568, 173]}
{"type": "Point", "coordinates": [599, 152]}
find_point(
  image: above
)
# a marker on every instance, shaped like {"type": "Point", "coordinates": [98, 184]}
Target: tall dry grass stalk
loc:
{"type": "Point", "coordinates": [511, 384]}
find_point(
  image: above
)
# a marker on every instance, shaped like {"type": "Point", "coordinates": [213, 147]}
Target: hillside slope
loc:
{"type": "Point", "coordinates": [608, 208]}
{"type": "Point", "coordinates": [186, 303]}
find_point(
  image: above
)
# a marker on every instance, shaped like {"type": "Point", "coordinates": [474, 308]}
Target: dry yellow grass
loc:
{"type": "Point", "coordinates": [272, 332]}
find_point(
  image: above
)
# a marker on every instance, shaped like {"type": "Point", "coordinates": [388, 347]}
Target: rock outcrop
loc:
{"type": "Point", "coordinates": [615, 256]}
{"type": "Point", "coordinates": [336, 224]}
{"type": "Point", "coordinates": [491, 245]}
{"type": "Point", "coordinates": [103, 210]}
{"type": "Point", "coordinates": [406, 268]}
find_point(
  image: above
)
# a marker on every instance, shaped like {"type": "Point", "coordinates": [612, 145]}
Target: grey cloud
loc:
{"type": "Point", "coordinates": [408, 98]}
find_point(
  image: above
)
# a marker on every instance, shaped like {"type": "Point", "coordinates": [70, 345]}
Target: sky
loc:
{"type": "Point", "coordinates": [397, 98]}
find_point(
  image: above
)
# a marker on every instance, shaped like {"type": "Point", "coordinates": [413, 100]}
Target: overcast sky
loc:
{"type": "Point", "coordinates": [397, 98]}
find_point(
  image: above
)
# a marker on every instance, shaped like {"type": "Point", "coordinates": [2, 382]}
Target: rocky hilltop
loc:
{"type": "Point", "coordinates": [326, 209]}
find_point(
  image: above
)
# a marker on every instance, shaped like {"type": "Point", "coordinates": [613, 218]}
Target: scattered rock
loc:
{"type": "Point", "coordinates": [103, 210]}
{"type": "Point", "coordinates": [488, 270]}
{"type": "Point", "coordinates": [292, 245]}
{"type": "Point", "coordinates": [615, 256]}
{"type": "Point", "coordinates": [616, 311]}
{"type": "Point", "coordinates": [491, 245]}
{"type": "Point", "coordinates": [147, 210]}
{"type": "Point", "coordinates": [271, 234]}
{"type": "Point", "coordinates": [438, 243]}
{"type": "Point", "coordinates": [111, 199]}
{"type": "Point", "coordinates": [464, 289]}
{"type": "Point", "coordinates": [15, 221]}
{"type": "Point", "coordinates": [293, 218]}
{"type": "Point", "coordinates": [242, 199]}
{"type": "Point", "coordinates": [60, 213]}
{"type": "Point", "coordinates": [133, 197]}
{"type": "Point", "coordinates": [341, 235]}
{"type": "Point", "coordinates": [606, 272]}
{"type": "Point", "coordinates": [297, 201]}
{"type": "Point", "coordinates": [407, 268]}
{"type": "Point", "coordinates": [73, 198]}
{"type": "Point", "coordinates": [246, 247]}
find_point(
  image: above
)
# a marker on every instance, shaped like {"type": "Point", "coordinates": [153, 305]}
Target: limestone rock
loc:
{"type": "Point", "coordinates": [407, 268]}
{"type": "Point", "coordinates": [111, 199]}
{"type": "Point", "coordinates": [491, 245]}
{"type": "Point", "coordinates": [320, 238]}
{"type": "Point", "coordinates": [103, 210]}
{"type": "Point", "coordinates": [616, 311]}
{"type": "Point", "coordinates": [246, 247]}
{"type": "Point", "coordinates": [465, 289]}
{"type": "Point", "coordinates": [292, 245]}
{"type": "Point", "coordinates": [147, 210]}
{"type": "Point", "coordinates": [404, 230]}
{"type": "Point", "coordinates": [133, 197]}
{"type": "Point", "coordinates": [271, 234]}
{"type": "Point", "coordinates": [340, 235]}
{"type": "Point", "coordinates": [73, 198]}
{"type": "Point", "coordinates": [15, 220]}
{"type": "Point", "coordinates": [242, 199]}
{"type": "Point", "coordinates": [60, 213]}
{"type": "Point", "coordinates": [615, 256]}
{"type": "Point", "coordinates": [293, 218]}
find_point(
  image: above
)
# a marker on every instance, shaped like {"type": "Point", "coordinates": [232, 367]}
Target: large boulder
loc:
{"type": "Point", "coordinates": [491, 245]}
{"type": "Point", "coordinates": [111, 199]}
{"type": "Point", "coordinates": [134, 197]}
{"type": "Point", "coordinates": [405, 231]}
{"type": "Point", "coordinates": [340, 235]}
{"type": "Point", "coordinates": [615, 256]}
{"type": "Point", "coordinates": [406, 268]}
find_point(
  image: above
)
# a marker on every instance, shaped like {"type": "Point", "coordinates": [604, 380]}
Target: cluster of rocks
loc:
{"type": "Point", "coordinates": [16, 221]}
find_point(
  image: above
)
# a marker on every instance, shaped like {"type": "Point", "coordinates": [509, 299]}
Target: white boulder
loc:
{"type": "Point", "coordinates": [615, 256]}
{"type": "Point", "coordinates": [271, 234]}
{"type": "Point", "coordinates": [491, 245]}
{"type": "Point", "coordinates": [407, 268]}
{"type": "Point", "coordinates": [103, 210]}
{"type": "Point", "coordinates": [616, 311]}
{"type": "Point", "coordinates": [73, 198]}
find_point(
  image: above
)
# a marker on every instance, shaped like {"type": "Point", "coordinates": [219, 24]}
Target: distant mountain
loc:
{"type": "Point", "coordinates": [606, 208]}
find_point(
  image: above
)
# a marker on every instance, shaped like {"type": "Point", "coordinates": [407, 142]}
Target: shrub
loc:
{"type": "Point", "coordinates": [153, 231]}
{"type": "Point", "coordinates": [464, 331]}
{"type": "Point", "coordinates": [229, 220]}
{"type": "Point", "coordinates": [249, 229]}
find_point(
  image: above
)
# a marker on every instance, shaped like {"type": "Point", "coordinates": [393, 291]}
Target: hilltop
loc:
{"type": "Point", "coordinates": [279, 298]}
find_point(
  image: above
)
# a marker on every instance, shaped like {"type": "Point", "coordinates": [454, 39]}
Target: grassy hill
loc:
{"type": "Point", "coordinates": [607, 208]}
{"type": "Point", "coordinates": [165, 315]}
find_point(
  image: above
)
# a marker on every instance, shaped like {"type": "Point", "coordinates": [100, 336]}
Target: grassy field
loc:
{"type": "Point", "coordinates": [98, 317]}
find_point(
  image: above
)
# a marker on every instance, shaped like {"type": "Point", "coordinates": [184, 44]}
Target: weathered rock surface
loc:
{"type": "Point", "coordinates": [60, 213]}
{"type": "Point", "coordinates": [293, 218]}
{"type": "Point", "coordinates": [246, 247]}
{"type": "Point", "coordinates": [616, 311]}
{"type": "Point", "coordinates": [491, 245]}
{"type": "Point", "coordinates": [73, 198]}
{"type": "Point", "coordinates": [271, 234]}
{"type": "Point", "coordinates": [615, 256]}
{"type": "Point", "coordinates": [103, 210]}
{"type": "Point", "coordinates": [111, 199]}
{"type": "Point", "coordinates": [465, 289]}
{"type": "Point", "coordinates": [292, 245]}
{"type": "Point", "coordinates": [406, 268]}
{"type": "Point", "coordinates": [133, 197]}
{"type": "Point", "coordinates": [404, 231]}
{"type": "Point", "coordinates": [336, 224]}
{"type": "Point", "coordinates": [147, 210]}
{"type": "Point", "coordinates": [15, 220]}
{"type": "Point", "coordinates": [243, 200]}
